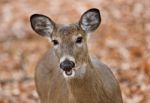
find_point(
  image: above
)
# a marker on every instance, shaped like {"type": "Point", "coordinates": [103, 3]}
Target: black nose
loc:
{"type": "Point", "coordinates": [67, 65]}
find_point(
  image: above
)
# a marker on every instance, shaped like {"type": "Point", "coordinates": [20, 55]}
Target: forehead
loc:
{"type": "Point", "coordinates": [67, 31]}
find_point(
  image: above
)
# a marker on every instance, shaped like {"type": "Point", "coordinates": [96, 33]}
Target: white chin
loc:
{"type": "Point", "coordinates": [69, 74]}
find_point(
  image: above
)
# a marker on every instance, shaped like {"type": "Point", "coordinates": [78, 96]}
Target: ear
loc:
{"type": "Point", "coordinates": [42, 25]}
{"type": "Point", "coordinates": [90, 20]}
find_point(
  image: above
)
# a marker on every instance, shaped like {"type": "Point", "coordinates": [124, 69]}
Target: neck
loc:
{"type": "Point", "coordinates": [85, 88]}
{"type": "Point", "coordinates": [88, 67]}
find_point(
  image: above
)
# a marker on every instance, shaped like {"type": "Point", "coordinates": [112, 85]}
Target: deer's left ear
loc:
{"type": "Point", "coordinates": [90, 20]}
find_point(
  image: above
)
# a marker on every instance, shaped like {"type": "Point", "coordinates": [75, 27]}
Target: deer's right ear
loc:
{"type": "Point", "coordinates": [42, 25]}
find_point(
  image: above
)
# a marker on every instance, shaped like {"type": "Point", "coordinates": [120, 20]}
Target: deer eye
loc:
{"type": "Point", "coordinates": [55, 42]}
{"type": "Point", "coordinates": [79, 40]}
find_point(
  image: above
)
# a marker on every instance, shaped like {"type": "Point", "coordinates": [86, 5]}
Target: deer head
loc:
{"type": "Point", "coordinates": [69, 41]}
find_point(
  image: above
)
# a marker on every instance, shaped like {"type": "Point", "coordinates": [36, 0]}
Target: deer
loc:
{"type": "Point", "coordinates": [67, 73]}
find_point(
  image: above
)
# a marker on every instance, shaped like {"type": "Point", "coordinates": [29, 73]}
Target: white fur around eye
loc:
{"type": "Point", "coordinates": [50, 41]}
{"type": "Point", "coordinates": [75, 39]}
{"type": "Point", "coordinates": [57, 39]}
{"type": "Point", "coordinates": [79, 44]}
{"type": "Point", "coordinates": [56, 46]}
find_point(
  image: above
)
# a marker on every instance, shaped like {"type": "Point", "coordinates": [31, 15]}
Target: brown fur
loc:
{"type": "Point", "coordinates": [90, 80]}
{"type": "Point", "coordinates": [97, 86]}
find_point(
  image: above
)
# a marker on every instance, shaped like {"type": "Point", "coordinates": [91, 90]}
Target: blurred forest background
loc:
{"type": "Point", "coordinates": [122, 42]}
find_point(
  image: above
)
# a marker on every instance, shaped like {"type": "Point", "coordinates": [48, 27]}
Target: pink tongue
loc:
{"type": "Point", "coordinates": [68, 72]}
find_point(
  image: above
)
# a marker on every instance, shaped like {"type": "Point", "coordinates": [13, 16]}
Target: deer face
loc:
{"type": "Point", "coordinates": [69, 41]}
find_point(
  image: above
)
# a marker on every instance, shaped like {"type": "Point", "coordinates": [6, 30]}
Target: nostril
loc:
{"type": "Point", "coordinates": [67, 65]}
{"type": "Point", "coordinates": [72, 64]}
{"type": "Point", "coordinates": [61, 65]}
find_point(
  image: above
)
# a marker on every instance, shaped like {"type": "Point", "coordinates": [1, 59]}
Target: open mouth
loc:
{"type": "Point", "coordinates": [69, 73]}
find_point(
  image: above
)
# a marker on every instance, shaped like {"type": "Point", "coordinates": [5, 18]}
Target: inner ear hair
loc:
{"type": "Point", "coordinates": [90, 20]}
{"type": "Point", "coordinates": [42, 24]}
